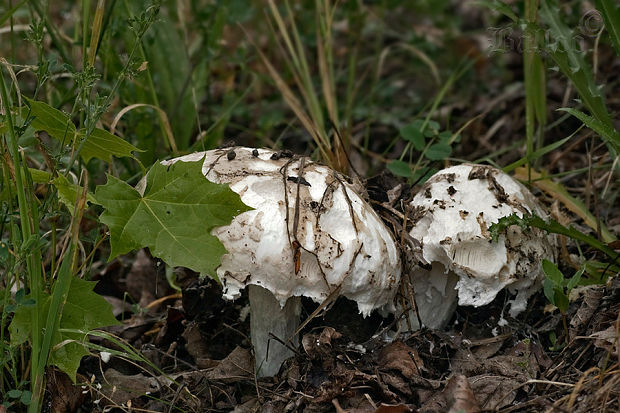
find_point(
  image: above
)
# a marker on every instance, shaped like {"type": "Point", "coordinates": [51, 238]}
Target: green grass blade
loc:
{"type": "Point", "coordinates": [610, 9]}
{"type": "Point", "coordinates": [25, 213]}
{"type": "Point", "coordinates": [538, 153]}
{"type": "Point", "coordinates": [59, 295]}
{"type": "Point", "coordinates": [571, 62]}
{"type": "Point", "coordinates": [535, 82]}
{"type": "Point", "coordinates": [557, 191]}
{"type": "Point", "coordinates": [10, 12]}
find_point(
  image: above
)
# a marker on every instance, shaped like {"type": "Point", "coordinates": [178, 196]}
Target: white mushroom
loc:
{"type": "Point", "coordinates": [309, 234]}
{"type": "Point", "coordinates": [452, 213]}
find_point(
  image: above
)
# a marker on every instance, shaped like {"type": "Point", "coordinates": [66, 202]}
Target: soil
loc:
{"type": "Point", "coordinates": [197, 356]}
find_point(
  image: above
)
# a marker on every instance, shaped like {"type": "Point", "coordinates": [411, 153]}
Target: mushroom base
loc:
{"type": "Point", "coordinates": [268, 317]}
{"type": "Point", "coordinates": [435, 296]}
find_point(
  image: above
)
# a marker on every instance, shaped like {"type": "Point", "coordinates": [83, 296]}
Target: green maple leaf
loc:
{"type": "Point", "coordinates": [173, 217]}
{"type": "Point", "coordinates": [83, 310]}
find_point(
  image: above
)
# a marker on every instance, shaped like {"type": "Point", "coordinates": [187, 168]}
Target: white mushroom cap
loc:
{"type": "Point", "coordinates": [452, 213]}
{"type": "Point", "coordinates": [342, 241]}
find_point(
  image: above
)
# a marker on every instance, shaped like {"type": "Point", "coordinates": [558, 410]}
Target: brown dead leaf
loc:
{"type": "Point", "coordinates": [465, 362]}
{"type": "Point", "coordinates": [169, 331]}
{"type": "Point", "coordinates": [120, 388]}
{"type": "Point", "coordinates": [494, 380]}
{"type": "Point", "coordinates": [540, 355]}
{"type": "Point", "coordinates": [249, 406]}
{"type": "Point", "coordinates": [494, 392]}
{"type": "Point", "coordinates": [346, 383]}
{"type": "Point", "coordinates": [521, 361]}
{"type": "Point", "coordinates": [432, 401]}
{"type": "Point", "coordinates": [337, 407]}
{"type": "Point", "coordinates": [459, 396]}
{"type": "Point", "coordinates": [337, 385]}
{"type": "Point", "coordinates": [488, 347]}
{"type": "Point", "coordinates": [592, 296]}
{"type": "Point", "coordinates": [319, 349]}
{"type": "Point", "coordinates": [397, 382]}
{"type": "Point", "coordinates": [238, 364]}
{"type": "Point", "coordinates": [318, 346]}
{"type": "Point", "coordinates": [608, 339]}
{"type": "Point", "coordinates": [144, 283]}
{"type": "Point", "coordinates": [133, 329]}
{"type": "Point", "coordinates": [65, 397]}
{"type": "Point", "coordinates": [195, 344]}
{"type": "Point", "coordinates": [362, 403]}
{"type": "Point", "coordinates": [402, 358]}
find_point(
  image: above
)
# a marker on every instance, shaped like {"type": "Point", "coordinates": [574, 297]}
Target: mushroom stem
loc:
{"type": "Point", "coordinates": [435, 297]}
{"type": "Point", "coordinates": [267, 316]}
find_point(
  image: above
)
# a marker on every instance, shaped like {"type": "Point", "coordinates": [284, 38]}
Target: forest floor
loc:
{"type": "Point", "coordinates": [346, 363]}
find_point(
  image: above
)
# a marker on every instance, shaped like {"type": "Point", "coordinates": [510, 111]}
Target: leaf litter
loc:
{"type": "Point", "coordinates": [199, 360]}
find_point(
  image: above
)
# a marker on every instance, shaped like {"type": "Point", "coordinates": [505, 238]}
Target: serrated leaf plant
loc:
{"type": "Point", "coordinates": [52, 140]}
{"type": "Point", "coordinates": [553, 227]}
{"type": "Point", "coordinates": [571, 61]}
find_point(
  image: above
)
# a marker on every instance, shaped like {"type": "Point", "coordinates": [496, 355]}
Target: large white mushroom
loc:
{"type": "Point", "coordinates": [452, 214]}
{"type": "Point", "coordinates": [310, 234]}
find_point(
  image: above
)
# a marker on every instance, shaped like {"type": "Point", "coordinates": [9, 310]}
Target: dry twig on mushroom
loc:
{"type": "Point", "coordinates": [310, 234]}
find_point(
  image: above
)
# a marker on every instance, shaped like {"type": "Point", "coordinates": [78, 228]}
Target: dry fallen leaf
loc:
{"type": "Point", "coordinates": [238, 364]}
{"type": "Point", "coordinates": [144, 283]}
{"type": "Point", "coordinates": [120, 388]}
{"type": "Point", "coordinates": [608, 339]}
{"type": "Point", "coordinates": [119, 306]}
{"type": "Point", "coordinates": [459, 396]}
{"type": "Point", "coordinates": [314, 344]}
{"type": "Point", "coordinates": [494, 392]}
{"type": "Point", "coordinates": [319, 346]}
{"type": "Point", "coordinates": [195, 343]}
{"type": "Point", "coordinates": [400, 357]}
{"type": "Point", "coordinates": [64, 395]}
{"type": "Point", "coordinates": [592, 296]}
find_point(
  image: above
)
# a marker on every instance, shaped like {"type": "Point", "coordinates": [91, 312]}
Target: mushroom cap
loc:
{"type": "Point", "coordinates": [452, 213]}
{"type": "Point", "coordinates": [309, 234]}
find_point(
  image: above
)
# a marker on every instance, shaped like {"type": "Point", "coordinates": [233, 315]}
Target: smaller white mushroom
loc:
{"type": "Point", "coordinates": [309, 234]}
{"type": "Point", "coordinates": [452, 213]}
